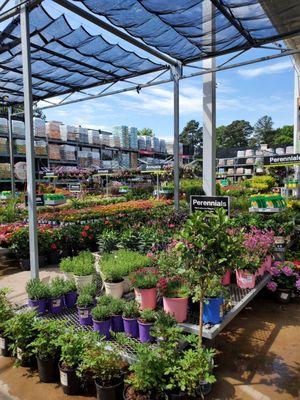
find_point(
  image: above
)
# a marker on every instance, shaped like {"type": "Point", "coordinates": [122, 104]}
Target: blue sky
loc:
{"type": "Point", "coordinates": [243, 93]}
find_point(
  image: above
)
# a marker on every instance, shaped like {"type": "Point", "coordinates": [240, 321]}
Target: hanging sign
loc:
{"type": "Point", "coordinates": [75, 187]}
{"type": "Point", "coordinates": [39, 200]}
{"type": "Point", "coordinates": [209, 203]}
{"type": "Point", "coordinates": [277, 161]}
{"type": "Point", "coordinates": [154, 167]}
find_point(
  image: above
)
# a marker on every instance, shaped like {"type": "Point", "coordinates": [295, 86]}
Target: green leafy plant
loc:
{"type": "Point", "coordinates": [66, 265]}
{"type": "Point", "coordinates": [45, 345]}
{"type": "Point", "coordinates": [131, 309]}
{"type": "Point", "coordinates": [21, 331]}
{"type": "Point", "coordinates": [89, 288]}
{"type": "Point", "coordinates": [37, 290]}
{"type": "Point", "coordinates": [108, 241]}
{"type": "Point", "coordinates": [85, 300]}
{"type": "Point", "coordinates": [117, 306]}
{"type": "Point", "coordinates": [57, 287]}
{"type": "Point", "coordinates": [163, 322]}
{"type": "Point", "coordinates": [70, 286]}
{"type": "Point", "coordinates": [105, 300]}
{"type": "Point", "coordinates": [6, 310]}
{"type": "Point", "coordinates": [144, 278]}
{"type": "Point", "coordinates": [101, 313]}
{"type": "Point", "coordinates": [148, 315]}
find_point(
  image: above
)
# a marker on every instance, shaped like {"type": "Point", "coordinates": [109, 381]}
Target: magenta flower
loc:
{"type": "Point", "coordinates": [287, 271]}
{"type": "Point", "coordinates": [272, 286]}
{"type": "Point", "coordinates": [274, 271]}
{"type": "Point", "coordinates": [298, 284]}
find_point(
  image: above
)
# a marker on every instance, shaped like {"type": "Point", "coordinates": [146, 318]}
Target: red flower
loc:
{"type": "Point", "coordinates": [86, 228]}
{"type": "Point", "coordinates": [53, 246]}
{"type": "Point", "coordinates": [84, 234]}
{"type": "Point", "coordinates": [106, 222]}
{"type": "Point", "coordinates": [171, 225]}
{"type": "Point", "coordinates": [91, 237]}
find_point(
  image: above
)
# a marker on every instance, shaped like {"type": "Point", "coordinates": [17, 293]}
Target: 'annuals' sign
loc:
{"type": "Point", "coordinates": [209, 203]}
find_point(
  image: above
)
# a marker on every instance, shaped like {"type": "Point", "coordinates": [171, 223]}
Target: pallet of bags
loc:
{"type": "Point", "coordinates": [20, 146]}
{"type": "Point", "coordinates": [18, 127]}
{"type": "Point", "coordinates": [54, 152]}
{"type": "Point", "coordinates": [53, 130]}
{"type": "Point", "coordinates": [3, 125]}
{"type": "Point", "coordinates": [4, 146]}
{"type": "Point", "coordinates": [40, 147]}
{"type": "Point", "coordinates": [39, 127]}
{"type": "Point", "coordinates": [4, 171]}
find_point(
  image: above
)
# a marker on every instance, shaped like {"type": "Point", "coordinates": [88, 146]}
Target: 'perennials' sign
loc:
{"type": "Point", "coordinates": [209, 203]}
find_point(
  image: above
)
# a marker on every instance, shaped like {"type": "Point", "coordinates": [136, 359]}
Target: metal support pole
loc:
{"type": "Point", "coordinates": [176, 73]}
{"type": "Point", "coordinates": [297, 128]}
{"type": "Point", "coordinates": [30, 160]}
{"type": "Point", "coordinates": [209, 105]}
{"type": "Point", "coordinates": [11, 152]}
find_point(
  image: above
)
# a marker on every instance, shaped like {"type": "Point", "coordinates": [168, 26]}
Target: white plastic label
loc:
{"type": "Point", "coordinates": [84, 313]}
{"type": "Point", "coordinates": [138, 297]}
{"type": "Point", "coordinates": [247, 278]}
{"type": "Point", "coordinates": [19, 354]}
{"type": "Point", "coordinates": [2, 343]}
{"type": "Point", "coordinates": [56, 302]}
{"type": "Point", "coordinates": [284, 296]}
{"type": "Point", "coordinates": [63, 378]}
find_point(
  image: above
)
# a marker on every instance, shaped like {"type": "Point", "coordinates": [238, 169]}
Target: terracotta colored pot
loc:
{"type": "Point", "coordinates": [177, 307]}
{"type": "Point", "coordinates": [146, 298]}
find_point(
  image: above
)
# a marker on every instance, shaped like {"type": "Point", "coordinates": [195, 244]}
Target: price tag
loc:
{"type": "Point", "coordinates": [63, 378]}
{"type": "Point", "coordinates": [84, 313]}
{"type": "Point", "coordinates": [2, 343]}
{"type": "Point", "coordinates": [56, 302]}
{"type": "Point", "coordinates": [284, 296]}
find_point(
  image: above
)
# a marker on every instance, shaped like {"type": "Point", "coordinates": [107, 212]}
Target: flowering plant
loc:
{"type": "Point", "coordinates": [257, 244]}
{"type": "Point", "coordinates": [144, 278]}
{"type": "Point", "coordinates": [172, 287]}
{"type": "Point", "coordinates": [284, 276]}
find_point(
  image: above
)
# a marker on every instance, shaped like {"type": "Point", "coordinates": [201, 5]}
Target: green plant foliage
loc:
{"type": "Point", "coordinates": [85, 300]}
{"type": "Point", "coordinates": [89, 288]}
{"type": "Point", "coordinates": [163, 322]}
{"type": "Point", "coordinates": [131, 309]}
{"type": "Point", "coordinates": [101, 313]}
{"type": "Point", "coordinates": [66, 264]}
{"type": "Point", "coordinates": [108, 241]}
{"type": "Point", "coordinates": [37, 290]}
{"type": "Point", "coordinates": [148, 315]}
{"type": "Point", "coordinates": [70, 286]}
{"type": "Point", "coordinates": [57, 287]}
{"type": "Point", "coordinates": [117, 306]}
{"type": "Point", "coordinates": [45, 345]}
{"type": "Point", "coordinates": [6, 309]}
{"type": "Point", "coordinates": [263, 182]}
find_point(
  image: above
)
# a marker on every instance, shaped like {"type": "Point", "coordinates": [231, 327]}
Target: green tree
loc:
{"type": "Point", "coordinates": [236, 134]}
{"type": "Point", "coordinates": [263, 130]}
{"type": "Point", "coordinates": [145, 132]}
{"type": "Point", "coordinates": [284, 135]}
{"type": "Point", "coordinates": [192, 135]}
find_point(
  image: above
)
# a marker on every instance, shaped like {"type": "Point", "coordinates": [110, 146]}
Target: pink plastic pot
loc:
{"type": "Point", "coordinates": [176, 307]}
{"type": "Point", "coordinates": [146, 298]}
{"type": "Point", "coordinates": [265, 266]}
{"type": "Point", "coordinates": [245, 280]}
{"type": "Point", "coordinates": [226, 279]}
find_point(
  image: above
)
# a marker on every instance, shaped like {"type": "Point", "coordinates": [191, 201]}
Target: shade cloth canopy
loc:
{"type": "Point", "coordinates": [67, 60]}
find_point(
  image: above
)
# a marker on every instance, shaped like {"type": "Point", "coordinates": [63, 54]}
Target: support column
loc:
{"type": "Point", "coordinates": [30, 160]}
{"type": "Point", "coordinates": [297, 127]}
{"type": "Point", "coordinates": [176, 72]}
{"type": "Point", "coordinates": [209, 104]}
{"type": "Point", "coordinates": [11, 152]}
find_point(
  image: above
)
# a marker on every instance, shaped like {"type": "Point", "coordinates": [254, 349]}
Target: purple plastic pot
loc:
{"type": "Point", "coordinates": [70, 299]}
{"type": "Point", "coordinates": [144, 329]}
{"type": "Point", "coordinates": [39, 305]}
{"type": "Point", "coordinates": [117, 323]}
{"type": "Point", "coordinates": [56, 305]}
{"type": "Point", "coordinates": [131, 327]}
{"type": "Point", "coordinates": [84, 314]}
{"type": "Point", "coordinates": [102, 327]}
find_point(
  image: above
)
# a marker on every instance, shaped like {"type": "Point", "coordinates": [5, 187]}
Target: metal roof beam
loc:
{"type": "Point", "coordinates": [110, 28]}
{"type": "Point", "coordinates": [12, 12]}
{"type": "Point", "coordinates": [230, 17]}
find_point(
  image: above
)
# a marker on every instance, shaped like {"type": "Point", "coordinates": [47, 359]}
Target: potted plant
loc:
{"type": "Point", "coordinates": [70, 296]}
{"type": "Point", "coordinates": [6, 313]}
{"type": "Point", "coordinates": [146, 321]}
{"type": "Point", "coordinates": [164, 321]}
{"type": "Point", "coordinates": [21, 332]}
{"type": "Point", "coordinates": [19, 247]}
{"type": "Point", "coordinates": [131, 313]}
{"type": "Point", "coordinates": [38, 295]}
{"type": "Point", "coordinates": [206, 248]}
{"type": "Point", "coordinates": [187, 371]}
{"type": "Point", "coordinates": [116, 308]}
{"type": "Point", "coordinates": [72, 344]}
{"type": "Point", "coordinates": [46, 348]}
{"type": "Point", "coordinates": [144, 282]}
{"type": "Point", "coordinates": [89, 288]}
{"type": "Point", "coordinates": [56, 291]}
{"type": "Point", "coordinates": [85, 302]}
{"type": "Point", "coordinates": [285, 280]}
{"type": "Point", "coordinates": [83, 269]}
{"type": "Point", "coordinates": [175, 296]}
{"type": "Point", "coordinates": [106, 367]}
{"type": "Point", "coordinates": [213, 309]}
{"type": "Point", "coordinates": [66, 266]}
{"type": "Point", "coordinates": [101, 316]}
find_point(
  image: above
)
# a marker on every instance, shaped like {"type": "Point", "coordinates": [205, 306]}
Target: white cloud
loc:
{"type": "Point", "coordinates": [267, 69]}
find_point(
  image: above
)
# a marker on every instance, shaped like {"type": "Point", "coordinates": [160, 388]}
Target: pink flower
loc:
{"type": "Point", "coordinates": [287, 271]}
{"type": "Point", "coordinates": [272, 286]}
{"type": "Point", "coordinates": [274, 271]}
{"type": "Point", "coordinates": [298, 284]}
{"type": "Point", "coordinates": [171, 225]}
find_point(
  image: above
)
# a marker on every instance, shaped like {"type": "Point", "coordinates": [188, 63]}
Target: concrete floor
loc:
{"type": "Point", "coordinates": [259, 352]}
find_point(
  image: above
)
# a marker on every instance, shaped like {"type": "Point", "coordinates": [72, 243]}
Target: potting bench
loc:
{"type": "Point", "coordinates": [239, 298]}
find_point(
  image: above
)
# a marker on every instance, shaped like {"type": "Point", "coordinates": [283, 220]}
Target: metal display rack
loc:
{"type": "Point", "coordinates": [239, 298]}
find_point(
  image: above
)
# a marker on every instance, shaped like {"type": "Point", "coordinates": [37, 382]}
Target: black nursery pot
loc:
{"type": "Point", "coordinates": [53, 258]}
{"type": "Point", "coordinates": [69, 380]}
{"type": "Point", "coordinates": [48, 370]}
{"type": "Point", "coordinates": [114, 392]}
{"type": "Point", "coordinates": [180, 396]}
{"type": "Point", "coordinates": [24, 264]}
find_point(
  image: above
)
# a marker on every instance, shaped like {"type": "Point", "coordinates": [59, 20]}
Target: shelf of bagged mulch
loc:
{"type": "Point", "coordinates": [239, 298]}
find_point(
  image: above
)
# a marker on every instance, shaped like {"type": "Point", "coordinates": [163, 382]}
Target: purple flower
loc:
{"type": "Point", "coordinates": [274, 271]}
{"type": "Point", "coordinates": [287, 271]}
{"type": "Point", "coordinates": [298, 284]}
{"type": "Point", "coordinates": [272, 286]}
